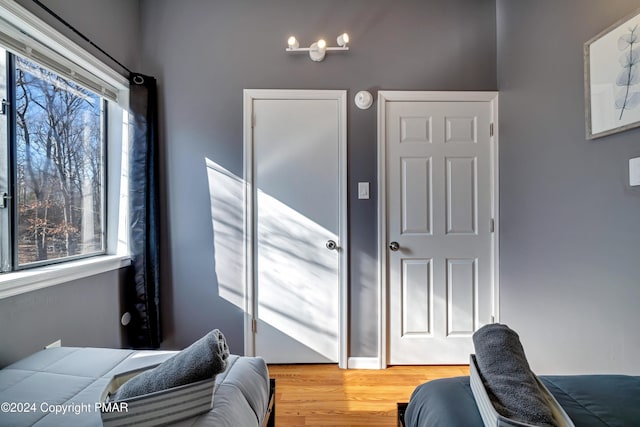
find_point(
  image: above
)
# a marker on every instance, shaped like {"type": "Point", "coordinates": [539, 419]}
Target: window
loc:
{"type": "Point", "coordinates": [61, 133]}
{"type": "Point", "coordinates": [55, 166]}
{"type": "Point", "coordinates": [58, 165]}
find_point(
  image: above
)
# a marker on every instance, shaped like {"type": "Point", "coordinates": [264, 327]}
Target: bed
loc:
{"type": "Point", "coordinates": [502, 390]}
{"type": "Point", "coordinates": [589, 400]}
{"type": "Point", "coordinates": [70, 380]}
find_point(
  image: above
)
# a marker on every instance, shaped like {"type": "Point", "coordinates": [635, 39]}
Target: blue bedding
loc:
{"type": "Point", "coordinates": [589, 400]}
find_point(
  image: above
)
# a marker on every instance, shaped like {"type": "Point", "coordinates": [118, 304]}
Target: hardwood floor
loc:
{"type": "Point", "coordinates": [324, 395]}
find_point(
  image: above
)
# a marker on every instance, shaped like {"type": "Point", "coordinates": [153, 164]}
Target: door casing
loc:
{"type": "Point", "coordinates": [385, 97]}
{"type": "Point", "coordinates": [249, 214]}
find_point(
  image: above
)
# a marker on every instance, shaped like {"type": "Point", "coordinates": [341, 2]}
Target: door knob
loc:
{"type": "Point", "coordinates": [331, 245]}
{"type": "Point", "coordinates": [394, 246]}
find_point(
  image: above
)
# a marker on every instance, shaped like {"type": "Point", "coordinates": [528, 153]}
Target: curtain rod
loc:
{"type": "Point", "coordinates": [85, 38]}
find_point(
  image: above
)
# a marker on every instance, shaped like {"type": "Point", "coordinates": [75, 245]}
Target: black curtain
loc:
{"type": "Point", "coordinates": [142, 290]}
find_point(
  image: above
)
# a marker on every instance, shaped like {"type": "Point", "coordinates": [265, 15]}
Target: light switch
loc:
{"type": "Point", "coordinates": [363, 190]}
{"type": "Point", "coordinates": [634, 171]}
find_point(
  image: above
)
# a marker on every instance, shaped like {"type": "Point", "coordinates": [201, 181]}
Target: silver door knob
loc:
{"type": "Point", "coordinates": [331, 245]}
{"type": "Point", "coordinates": [394, 246]}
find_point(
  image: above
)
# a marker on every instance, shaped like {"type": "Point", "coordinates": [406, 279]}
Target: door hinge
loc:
{"type": "Point", "coordinates": [492, 225]}
{"type": "Point", "coordinates": [5, 105]}
{"type": "Point", "coordinates": [491, 129]}
{"type": "Point", "coordinates": [253, 121]}
{"type": "Point", "coordinates": [493, 319]}
{"type": "Point", "coordinates": [254, 325]}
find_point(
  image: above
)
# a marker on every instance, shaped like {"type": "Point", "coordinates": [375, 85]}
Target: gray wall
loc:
{"type": "Point", "coordinates": [83, 312]}
{"type": "Point", "coordinates": [113, 25]}
{"type": "Point", "coordinates": [204, 53]}
{"type": "Point", "coordinates": [80, 313]}
{"type": "Point", "coordinates": [570, 224]}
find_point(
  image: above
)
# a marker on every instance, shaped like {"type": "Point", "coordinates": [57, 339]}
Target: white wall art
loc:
{"type": "Point", "coordinates": [612, 78]}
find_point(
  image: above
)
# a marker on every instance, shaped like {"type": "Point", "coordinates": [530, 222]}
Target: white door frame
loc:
{"type": "Point", "coordinates": [385, 97]}
{"type": "Point", "coordinates": [249, 218]}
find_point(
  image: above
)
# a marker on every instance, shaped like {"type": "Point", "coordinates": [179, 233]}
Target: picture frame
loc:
{"type": "Point", "coordinates": [612, 78]}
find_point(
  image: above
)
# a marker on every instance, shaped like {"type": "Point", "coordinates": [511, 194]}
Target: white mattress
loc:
{"type": "Point", "coordinates": [72, 379]}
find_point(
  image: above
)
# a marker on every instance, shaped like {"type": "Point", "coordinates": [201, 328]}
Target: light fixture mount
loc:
{"type": "Point", "coordinates": [318, 49]}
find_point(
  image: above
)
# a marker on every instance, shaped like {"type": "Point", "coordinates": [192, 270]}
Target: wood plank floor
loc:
{"type": "Point", "coordinates": [324, 395]}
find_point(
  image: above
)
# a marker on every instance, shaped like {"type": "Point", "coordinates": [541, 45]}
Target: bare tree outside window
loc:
{"type": "Point", "coordinates": [59, 166]}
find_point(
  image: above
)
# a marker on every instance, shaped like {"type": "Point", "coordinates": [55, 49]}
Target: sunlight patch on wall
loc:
{"type": "Point", "coordinates": [226, 194]}
{"type": "Point", "coordinates": [297, 297]}
{"type": "Point", "coordinates": [298, 276]}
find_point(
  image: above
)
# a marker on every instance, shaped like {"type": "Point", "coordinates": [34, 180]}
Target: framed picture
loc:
{"type": "Point", "coordinates": [612, 78]}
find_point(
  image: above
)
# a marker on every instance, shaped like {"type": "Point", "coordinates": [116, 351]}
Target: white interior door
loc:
{"type": "Point", "coordinates": [440, 228]}
{"type": "Point", "coordinates": [298, 147]}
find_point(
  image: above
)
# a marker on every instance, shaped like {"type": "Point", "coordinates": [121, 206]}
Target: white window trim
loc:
{"type": "Point", "coordinates": [23, 281]}
{"type": "Point", "coordinates": [37, 32]}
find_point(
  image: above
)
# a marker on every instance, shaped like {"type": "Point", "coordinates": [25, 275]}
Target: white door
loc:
{"type": "Point", "coordinates": [298, 148]}
{"type": "Point", "coordinates": [440, 227]}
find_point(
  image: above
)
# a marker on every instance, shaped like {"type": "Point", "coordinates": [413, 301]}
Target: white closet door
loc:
{"type": "Point", "coordinates": [297, 178]}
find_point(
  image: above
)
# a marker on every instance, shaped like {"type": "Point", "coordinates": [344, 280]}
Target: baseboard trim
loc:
{"type": "Point", "coordinates": [363, 363]}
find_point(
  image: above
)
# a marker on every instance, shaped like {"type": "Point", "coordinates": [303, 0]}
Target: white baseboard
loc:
{"type": "Point", "coordinates": [364, 363]}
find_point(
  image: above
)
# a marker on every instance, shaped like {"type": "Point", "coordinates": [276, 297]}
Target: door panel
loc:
{"type": "Point", "coordinates": [461, 198]}
{"type": "Point", "coordinates": [296, 202]}
{"type": "Point", "coordinates": [416, 196]}
{"type": "Point", "coordinates": [416, 297]}
{"type": "Point", "coordinates": [439, 210]}
{"type": "Point", "coordinates": [461, 289]}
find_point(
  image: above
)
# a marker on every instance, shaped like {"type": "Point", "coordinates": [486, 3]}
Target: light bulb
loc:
{"type": "Point", "coordinates": [343, 39]}
{"type": "Point", "coordinates": [293, 43]}
{"type": "Point", "coordinates": [317, 50]}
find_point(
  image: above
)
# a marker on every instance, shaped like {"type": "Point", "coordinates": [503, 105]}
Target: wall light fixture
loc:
{"type": "Point", "coordinates": [319, 49]}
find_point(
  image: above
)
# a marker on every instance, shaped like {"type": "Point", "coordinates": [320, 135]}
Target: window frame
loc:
{"type": "Point", "coordinates": [115, 94]}
{"type": "Point", "coordinates": [14, 237]}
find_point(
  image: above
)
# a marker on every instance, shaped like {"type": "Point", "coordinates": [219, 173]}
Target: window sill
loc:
{"type": "Point", "coordinates": [20, 282]}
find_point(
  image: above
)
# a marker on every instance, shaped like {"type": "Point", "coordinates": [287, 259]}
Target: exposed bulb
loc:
{"type": "Point", "coordinates": [318, 50]}
{"type": "Point", "coordinates": [343, 39]}
{"type": "Point", "coordinates": [293, 43]}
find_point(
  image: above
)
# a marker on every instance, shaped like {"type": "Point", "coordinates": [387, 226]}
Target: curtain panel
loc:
{"type": "Point", "coordinates": [142, 290]}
